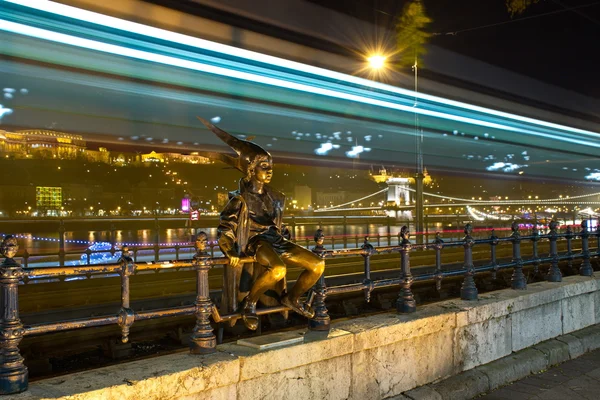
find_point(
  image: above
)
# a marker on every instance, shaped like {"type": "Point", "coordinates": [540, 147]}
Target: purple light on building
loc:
{"type": "Point", "coordinates": [185, 204]}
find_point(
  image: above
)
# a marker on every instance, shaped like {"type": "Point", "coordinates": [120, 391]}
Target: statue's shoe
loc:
{"type": "Point", "coordinates": [249, 314]}
{"type": "Point", "coordinates": [301, 308]}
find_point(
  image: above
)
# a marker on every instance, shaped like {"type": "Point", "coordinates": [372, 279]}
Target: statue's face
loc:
{"type": "Point", "coordinates": [9, 247]}
{"type": "Point", "coordinates": [201, 242]}
{"type": "Point", "coordinates": [263, 172]}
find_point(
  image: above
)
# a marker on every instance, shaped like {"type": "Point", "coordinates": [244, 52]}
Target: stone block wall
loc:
{"type": "Point", "coordinates": [372, 357]}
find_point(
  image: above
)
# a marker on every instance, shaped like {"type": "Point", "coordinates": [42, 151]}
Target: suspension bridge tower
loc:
{"type": "Point", "coordinates": [399, 192]}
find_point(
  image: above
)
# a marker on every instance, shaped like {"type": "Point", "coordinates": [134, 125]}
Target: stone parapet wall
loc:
{"type": "Point", "coordinates": [372, 357]}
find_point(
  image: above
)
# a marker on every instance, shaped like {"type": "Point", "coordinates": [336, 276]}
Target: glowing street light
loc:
{"type": "Point", "coordinates": [376, 61]}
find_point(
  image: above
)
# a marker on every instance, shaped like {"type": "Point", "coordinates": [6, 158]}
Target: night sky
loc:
{"type": "Point", "coordinates": [559, 48]}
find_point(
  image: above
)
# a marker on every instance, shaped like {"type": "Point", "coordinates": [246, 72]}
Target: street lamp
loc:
{"type": "Point", "coordinates": [377, 61]}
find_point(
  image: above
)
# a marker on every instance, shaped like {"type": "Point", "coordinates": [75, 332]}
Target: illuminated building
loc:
{"type": "Point", "coordinates": [193, 158]}
{"type": "Point", "coordinates": [101, 155]}
{"type": "Point", "coordinates": [41, 143]}
{"type": "Point", "coordinates": [153, 157]}
{"type": "Point", "coordinates": [331, 197]}
{"type": "Point", "coordinates": [48, 197]}
{"type": "Point", "coordinates": [303, 195]}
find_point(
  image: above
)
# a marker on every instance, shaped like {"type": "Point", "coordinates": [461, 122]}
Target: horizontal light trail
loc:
{"type": "Point", "coordinates": [162, 34]}
{"type": "Point", "coordinates": [528, 201]}
{"type": "Point", "coordinates": [44, 34]}
{"type": "Point", "coordinates": [516, 203]}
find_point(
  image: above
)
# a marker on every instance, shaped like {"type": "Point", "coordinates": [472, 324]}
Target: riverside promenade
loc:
{"type": "Point", "coordinates": [572, 380]}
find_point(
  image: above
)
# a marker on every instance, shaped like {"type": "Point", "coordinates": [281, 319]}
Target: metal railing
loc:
{"type": "Point", "coordinates": [14, 374]}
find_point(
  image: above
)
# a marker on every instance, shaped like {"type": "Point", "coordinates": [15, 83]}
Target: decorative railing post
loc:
{"type": "Point", "coordinates": [88, 256]}
{"type": "Point", "coordinates": [203, 340]}
{"type": "Point", "coordinates": [569, 237]}
{"type": "Point", "coordinates": [61, 243]}
{"type": "Point", "coordinates": [517, 280]}
{"type": "Point", "coordinates": [468, 290]}
{"type": "Point", "coordinates": [25, 258]}
{"type": "Point", "coordinates": [536, 258]}
{"type": "Point", "coordinates": [586, 265]}
{"type": "Point", "coordinates": [321, 320]}
{"type": "Point", "coordinates": [438, 245]}
{"type": "Point", "coordinates": [554, 274]}
{"type": "Point", "coordinates": [388, 221]}
{"type": "Point", "coordinates": [368, 250]}
{"type": "Point", "coordinates": [113, 239]}
{"type": "Point", "coordinates": [406, 302]}
{"type": "Point", "coordinates": [156, 240]}
{"type": "Point", "coordinates": [598, 239]}
{"type": "Point", "coordinates": [493, 243]}
{"type": "Point", "coordinates": [126, 314]}
{"type": "Point", "coordinates": [13, 372]}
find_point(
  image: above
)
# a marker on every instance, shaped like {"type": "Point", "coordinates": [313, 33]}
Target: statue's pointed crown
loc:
{"type": "Point", "coordinates": [246, 151]}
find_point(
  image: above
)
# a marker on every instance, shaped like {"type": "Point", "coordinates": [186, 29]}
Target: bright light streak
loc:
{"type": "Point", "coordinates": [474, 215]}
{"type": "Point", "coordinates": [193, 65]}
{"type": "Point", "coordinates": [480, 215]}
{"type": "Point", "coordinates": [325, 147]}
{"type": "Point", "coordinates": [506, 167]}
{"type": "Point", "coordinates": [128, 26]}
{"type": "Point", "coordinates": [356, 150]}
{"type": "Point", "coordinates": [588, 211]}
{"type": "Point", "coordinates": [197, 66]}
{"type": "Point", "coordinates": [4, 111]}
{"type": "Point", "coordinates": [593, 176]}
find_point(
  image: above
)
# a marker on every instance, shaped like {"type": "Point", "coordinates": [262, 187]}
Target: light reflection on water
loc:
{"type": "Point", "coordinates": [179, 235]}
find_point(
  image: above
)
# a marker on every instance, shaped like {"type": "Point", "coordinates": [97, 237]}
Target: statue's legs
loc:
{"type": "Point", "coordinates": [275, 269]}
{"type": "Point", "coordinates": [313, 265]}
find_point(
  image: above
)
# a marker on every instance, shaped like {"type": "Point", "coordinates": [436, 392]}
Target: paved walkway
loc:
{"type": "Point", "coordinates": [572, 380]}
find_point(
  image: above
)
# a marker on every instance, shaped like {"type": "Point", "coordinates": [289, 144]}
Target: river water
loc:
{"type": "Point", "coordinates": [48, 242]}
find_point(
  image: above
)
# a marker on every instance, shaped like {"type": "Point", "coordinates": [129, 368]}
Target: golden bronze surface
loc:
{"type": "Point", "coordinates": [250, 225]}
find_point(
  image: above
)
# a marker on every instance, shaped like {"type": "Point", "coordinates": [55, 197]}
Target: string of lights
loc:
{"type": "Point", "coordinates": [566, 201]}
{"type": "Point", "coordinates": [353, 201]}
{"type": "Point", "coordinates": [91, 243]}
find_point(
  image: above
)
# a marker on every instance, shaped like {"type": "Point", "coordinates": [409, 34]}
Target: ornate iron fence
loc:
{"type": "Point", "coordinates": [14, 374]}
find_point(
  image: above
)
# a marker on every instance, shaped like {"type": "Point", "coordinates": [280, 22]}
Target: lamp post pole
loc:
{"type": "Point", "coordinates": [419, 210]}
{"type": "Point", "coordinates": [419, 215]}
{"type": "Point", "coordinates": [377, 62]}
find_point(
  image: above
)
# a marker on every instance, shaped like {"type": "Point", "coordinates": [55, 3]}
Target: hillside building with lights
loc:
{"type": "Point", "coordinates": [41, 144]}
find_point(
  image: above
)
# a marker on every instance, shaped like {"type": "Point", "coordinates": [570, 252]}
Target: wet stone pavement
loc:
{"type": "Point", "coordinates": [574, 379]}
